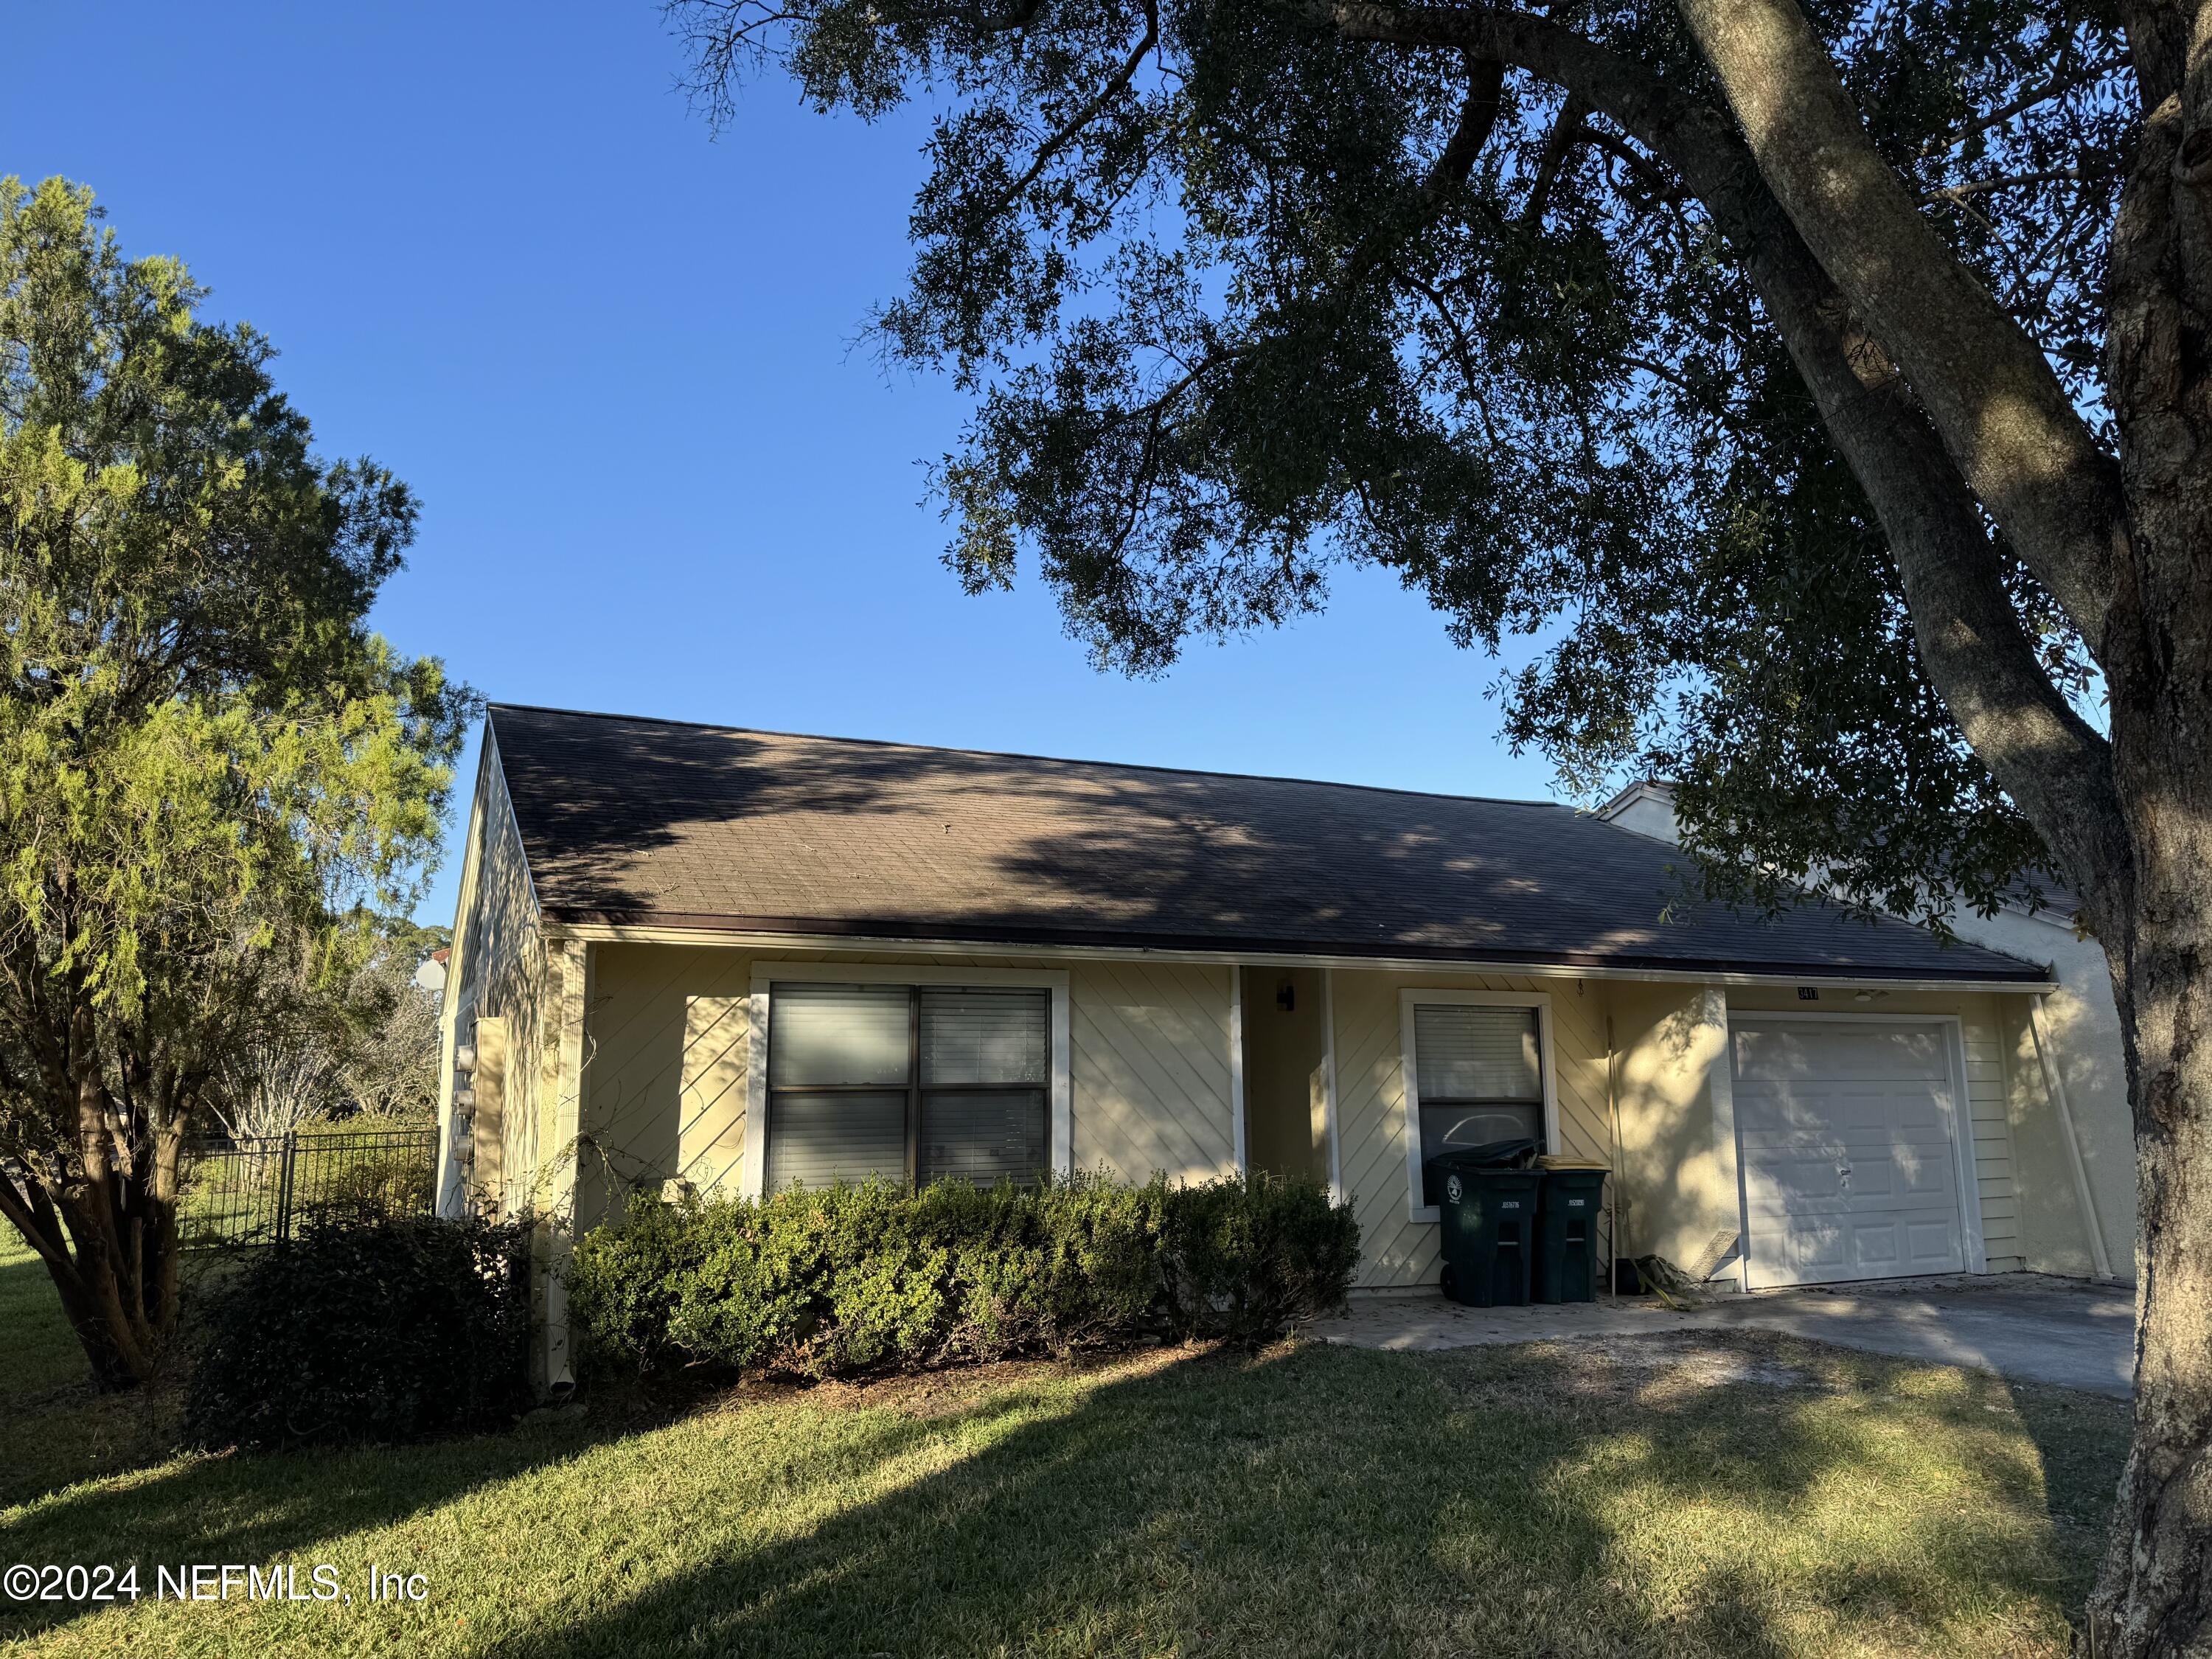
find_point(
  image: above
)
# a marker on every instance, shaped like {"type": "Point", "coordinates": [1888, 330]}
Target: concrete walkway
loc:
{"type": "Point", "coordinates": [2036, 1329]}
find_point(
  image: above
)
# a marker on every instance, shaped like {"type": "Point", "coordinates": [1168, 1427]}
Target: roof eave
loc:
{"type": "Point", "coordinates": [645, 926]}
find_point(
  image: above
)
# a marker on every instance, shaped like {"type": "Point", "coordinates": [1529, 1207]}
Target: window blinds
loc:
{"type": "Point", "coordinates": [834, 1036]}
{"type": "Point", "coordinates": [985, 1037]}
{"type": "Point", "coordinates": [1476, 1054]}
{"type": "Point", "coordinates": [1479, 1073]}
{"type": "Point", "coordinates": [984, 1137]}
{"type": "Point", "coordinates": [822, 1138]}
{"type": "Point", "coordinates": [853, 1068]}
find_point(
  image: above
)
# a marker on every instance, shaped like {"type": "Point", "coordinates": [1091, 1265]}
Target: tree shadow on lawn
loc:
{"type": "Point", "coordinates": [1571, 1499]}
{"type": "Point", "coordinates": [2082, 1442]}
{"type": "Point", "coordinates": [1540, 1501]}
{"type": "Point", "coordinates": [55, 1427]}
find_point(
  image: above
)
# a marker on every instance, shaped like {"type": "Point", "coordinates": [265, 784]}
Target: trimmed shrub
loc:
{"type": "Point", "coordinates": [844, 1279]}
{"type": "Point", "coordinates": [1247, 1261]}
{"type": "Point", "coordinates": [365, 1327]}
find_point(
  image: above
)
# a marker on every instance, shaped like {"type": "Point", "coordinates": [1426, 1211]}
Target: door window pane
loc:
{"type": "Point", "coordinates": [825, 1036]}
{"type": "Point", "coordinates": [820, 1138]}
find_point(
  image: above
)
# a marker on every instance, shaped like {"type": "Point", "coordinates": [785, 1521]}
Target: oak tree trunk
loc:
{"type": "Point", "coordinates": [2153, 1595]}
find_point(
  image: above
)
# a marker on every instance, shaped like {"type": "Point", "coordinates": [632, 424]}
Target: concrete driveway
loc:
{"type": "Point", "coordinates": [2036, 1329]}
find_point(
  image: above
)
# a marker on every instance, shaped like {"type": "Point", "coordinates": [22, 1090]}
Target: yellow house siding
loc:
{"type": "Point", "coordinates": [2054, 1234]}
{"type": "Point", "coordinates": [1677, 1185]}
{"type": "Point", "coordinates": [1987, 1091]}
{"type": "Point", "coordinates": [499, 970]}
{"type": "Point", "coordinates": [669, 1042]}
{"type": "Point", "coordinates": [1396, 1251]}
{"type": "Point", "coordinates": [1149, 1060]}
{"type": "Point", "coordinates": [710, 1141]}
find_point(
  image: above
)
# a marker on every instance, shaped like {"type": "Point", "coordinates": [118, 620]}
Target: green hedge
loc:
{"type": "Point", "coordinates": [365, 1327]}
{"type": "Point", "coordinates": [818, 1282]}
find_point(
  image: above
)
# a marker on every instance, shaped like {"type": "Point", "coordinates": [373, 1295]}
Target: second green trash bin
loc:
{"type": "Point", "coordinates": [1566, 1234]}
{"type": "Point", "coordinates": [1489, 1216]}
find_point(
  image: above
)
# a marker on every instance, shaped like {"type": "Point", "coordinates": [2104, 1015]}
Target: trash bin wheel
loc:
{"type": "Point", "coordinates": [1449, 1281]}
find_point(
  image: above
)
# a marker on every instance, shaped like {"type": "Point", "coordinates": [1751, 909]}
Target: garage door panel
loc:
{"type": "Point", "coordinates": [1929, 1177]}
{"type": "Point", "coordinates": [1843, 1139]}
{"type": "Point", "coordinates": [1839, 1054]}
{"type": "Point", "coordinates": [1876, 1249]}
{"type": "Point", "coordinates": [1780, 1170]}
{"type": "Point", "coordinates": [1933, 1241]}
{"type": "Point", "coordinates": [1817, 1252]}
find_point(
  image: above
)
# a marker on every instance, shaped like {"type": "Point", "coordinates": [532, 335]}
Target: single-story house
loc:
{"type": "Point", "coordinates": [734, 959]}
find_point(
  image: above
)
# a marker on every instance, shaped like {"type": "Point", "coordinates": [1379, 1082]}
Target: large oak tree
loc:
{"type": "Point", "coordinates": [1827, 386]}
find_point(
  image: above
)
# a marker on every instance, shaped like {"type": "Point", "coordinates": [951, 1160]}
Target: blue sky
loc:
{"type": "Point", "coordinates": [616, 360]}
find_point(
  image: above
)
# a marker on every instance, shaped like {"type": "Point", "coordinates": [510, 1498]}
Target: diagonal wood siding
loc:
{"type": "Point", "coordinates": [1397, 1251]}
{"type": "Point", "coordinates": [1150, 1069]}
{"type": "Point", "coordinates": [668, 1046]}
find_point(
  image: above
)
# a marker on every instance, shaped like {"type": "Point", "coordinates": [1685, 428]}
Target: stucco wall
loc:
{"type": "Point", "coordinates": [668, 1038]}
{"type": "Point", "coordinates": [1397, 1250]}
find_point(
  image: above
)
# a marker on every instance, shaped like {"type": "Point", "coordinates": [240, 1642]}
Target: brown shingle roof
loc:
{"type": "Point", "coordinates": [639, 820]}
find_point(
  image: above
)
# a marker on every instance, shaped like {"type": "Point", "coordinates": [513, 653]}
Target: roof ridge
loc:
{"type": "Point", "coordinates": [1050, 760]}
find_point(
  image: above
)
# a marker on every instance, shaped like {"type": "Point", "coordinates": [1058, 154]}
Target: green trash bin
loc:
{"type": "Point", "coordinates": [1489, 1216]}
{"type": "Point", "coordinates": [1567, 1205]}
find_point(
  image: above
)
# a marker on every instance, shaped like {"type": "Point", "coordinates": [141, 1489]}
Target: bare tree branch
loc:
{"type": "Point", "coordinates": [1566, 132]}
{"type": "Point", "coordinates": [2013, 180]}
{"type": "Point", "coordinates": [2056, 87]}
{"type": "Point", "coordinates": [1071, 128]}
{"type": "Point", "coordinates": [1478, 116]}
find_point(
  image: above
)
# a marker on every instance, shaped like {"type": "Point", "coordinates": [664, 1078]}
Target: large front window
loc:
{"type": "Point", "coordinates": [1479, 1078]}
{"type": "Point", "coordinates": [909, 1083]}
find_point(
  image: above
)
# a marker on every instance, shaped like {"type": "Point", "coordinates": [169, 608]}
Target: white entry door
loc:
{"type": "Point", "coordinates": [1846, 1135]}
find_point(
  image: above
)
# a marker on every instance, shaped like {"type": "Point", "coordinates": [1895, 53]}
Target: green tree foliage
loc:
{"type": "Point", "coordinates": [1240, 297]}
{"type": "Point", "coordinates": [209, 764]}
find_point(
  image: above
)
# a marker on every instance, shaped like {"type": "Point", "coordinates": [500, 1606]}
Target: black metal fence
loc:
{"type": "Point", "coordinates": [255, 1189]}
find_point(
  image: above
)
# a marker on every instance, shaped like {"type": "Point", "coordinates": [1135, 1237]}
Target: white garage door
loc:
{"type": "Point", "coordinates": [1851, 1170]}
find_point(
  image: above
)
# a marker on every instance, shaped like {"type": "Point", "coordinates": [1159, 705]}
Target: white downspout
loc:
{"type": "Point", "coordinates": [2054, 1086]}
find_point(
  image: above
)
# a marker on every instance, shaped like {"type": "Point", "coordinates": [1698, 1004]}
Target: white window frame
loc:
{"type": "Point", "coordinates": [759, 1012]}
{"type": "Point", "coordinates": [1410, 1108]}
{"type": "Point", "coordinates": [1959, 1121]}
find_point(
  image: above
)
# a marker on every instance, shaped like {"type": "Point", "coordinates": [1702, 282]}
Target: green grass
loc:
{"type": "Point", "coordinates": [53, 1428]}
{"type": "Point", "coordinates": [40, 1354]}
{"type": "Point", "coordinates": [1746, 1497]}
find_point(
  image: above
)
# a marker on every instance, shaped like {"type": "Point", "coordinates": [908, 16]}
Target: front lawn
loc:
{"type": "Point", "coordinates": [53, 1428]}
{"type": "Point", "coordinates": [1689, 1496]}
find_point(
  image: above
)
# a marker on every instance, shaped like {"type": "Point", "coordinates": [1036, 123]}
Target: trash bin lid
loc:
{"type": "Point", "coordinates": [1491, 1155]}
